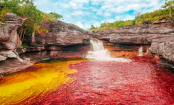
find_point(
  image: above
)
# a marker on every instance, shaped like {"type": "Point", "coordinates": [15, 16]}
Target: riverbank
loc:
{"type": "Point", "coordinates": [68, 41]}
{"type": "Point", "coordinates": [11, 66]}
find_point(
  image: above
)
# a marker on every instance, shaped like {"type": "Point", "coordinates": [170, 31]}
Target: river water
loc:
{"type": "Point", "coordinates": [139, 81]}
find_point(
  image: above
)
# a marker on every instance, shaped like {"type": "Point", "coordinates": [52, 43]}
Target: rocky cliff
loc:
{"type": "Point", "coordinates": [161, 38]}
{"type": "Point", "coordinates": [63, 40]}
{"type": "Point", "coordinates": [9, 40]}
{"type": "Point", "coordinates": [61, 34]}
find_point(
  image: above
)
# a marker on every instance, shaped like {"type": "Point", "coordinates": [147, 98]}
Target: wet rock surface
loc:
{"type": "Point", "coordinates": [10, 66]}
{"type": "Point", "coordinates": [160, 38]}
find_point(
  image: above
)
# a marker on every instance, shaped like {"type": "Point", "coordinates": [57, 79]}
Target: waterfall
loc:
{"type": "Point", "coordinates": [100, 53]}
{"type": "Point", "coordinates": [140, 51]}
{"type": "Point", "coordinates": [97, 45]}
{"type": "Point", "coordinates": [147, 51]}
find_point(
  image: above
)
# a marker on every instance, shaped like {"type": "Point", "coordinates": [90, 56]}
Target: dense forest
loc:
{"type": "Point", "coordinates": [27, 9]}
{"type": "Point", "coordinates": [165, 13]}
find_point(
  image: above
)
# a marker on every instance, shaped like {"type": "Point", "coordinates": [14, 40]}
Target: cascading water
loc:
{"type": "Point", "coordinates": [140, 51]}
{"type": "Point", "coordinates": [99, 53]}
{"type": "Point", "coordinates": [147, 51]}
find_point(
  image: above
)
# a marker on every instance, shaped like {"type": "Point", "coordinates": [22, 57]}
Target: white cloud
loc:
{"type": "Point", "coordinates": [107, 14]}
{"type": "Point", "coordinates": [77, 13]}
{"type": "Point", "coordinates": [80, 1]}
{"type": "Point", "coordinates": [96, 23]}
{"type": "Point", "coordinates": [84, 25]}
{"type": "Point", "coordinates": [83, 14]}
{"type": "Point", "coordinates": [93, 9]}
{"type": "Point", "coordinates": [46, 5]}
{"type": "Point", "coordinates": [121, 6]}
{"type": "Point", "coordinates": [124, 17]}
{"type": "Point", "coordinates": [79, 23]}
{"type": "Point", "coordinates": [108, 20]}
{"type": "Point", "coordinates": [72, 4]}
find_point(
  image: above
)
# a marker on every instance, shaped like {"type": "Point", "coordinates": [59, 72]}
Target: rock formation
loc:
{"type": "Point", "coordinates": [63, 40]}
{"type": "Point", "coordinates": [160, 38]}
{"type": "Point", "coordinates": [9, 40]}
{"type": "Point", "coordinates": [61, 34]}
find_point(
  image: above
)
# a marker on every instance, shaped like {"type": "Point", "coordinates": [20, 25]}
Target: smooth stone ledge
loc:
{"type": "Point", "coordinates": [7, 67]}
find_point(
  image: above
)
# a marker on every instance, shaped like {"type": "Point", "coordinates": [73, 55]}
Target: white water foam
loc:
{"type": "Point", "coordinates": [140, 51]}
{"type": "Point", "coordinates": [99, 53]}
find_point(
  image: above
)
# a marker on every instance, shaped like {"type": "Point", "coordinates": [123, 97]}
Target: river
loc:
{"type": "Point", "coordinates": [125, 81]}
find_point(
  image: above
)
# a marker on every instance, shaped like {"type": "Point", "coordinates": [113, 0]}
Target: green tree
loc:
{"type": "Point", "coordinates": [55, 15]}
{"type": "Point", "coordinates": [92, 27]}
{"type": "Point", "coordinates": [169, 5]}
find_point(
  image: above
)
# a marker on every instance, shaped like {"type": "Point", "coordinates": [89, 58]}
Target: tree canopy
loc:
{"type": "Point", "coordinates": [169, 4]}
{"type": "Point", "coordinates": [27, 9]}
{"type": "Point", "coordinates": [55, 15]}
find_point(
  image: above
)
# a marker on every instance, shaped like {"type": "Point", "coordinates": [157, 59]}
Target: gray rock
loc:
{"type": "Point", "coordinates": [9, 54]}
{"type": "Point", "coordinates": [164, 47]}
{"type": "Point", "coordinates": [9, 40]}
{"type": "Point", "coordinates": [2, 58]}
{"type": "Point", "coordinates": [161, 38]}
{"type": "Point", "coordinates": [63, 34]}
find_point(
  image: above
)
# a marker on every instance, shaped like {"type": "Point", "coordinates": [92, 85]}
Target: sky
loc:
{"type": "Point", "coordinates": [85, 13]}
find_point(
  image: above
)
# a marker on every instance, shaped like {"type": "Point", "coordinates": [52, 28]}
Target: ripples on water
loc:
{"type": "Point", "coordinates": [104, 80]}
{"type": "Point", "coordinates": [96, 82]}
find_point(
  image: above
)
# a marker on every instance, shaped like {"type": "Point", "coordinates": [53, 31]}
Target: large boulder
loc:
{"type": "Point", "coordinates": [164, 47]}
{"type": "Point", "coordinates": [9, 39]}
{"type": "Point", "coordinates": [60, 33]}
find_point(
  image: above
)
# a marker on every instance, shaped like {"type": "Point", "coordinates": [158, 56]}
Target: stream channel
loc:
{"type": "Point", "coordinates": [103, 78]}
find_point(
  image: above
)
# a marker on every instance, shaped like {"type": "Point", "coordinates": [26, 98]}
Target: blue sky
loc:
{"type": "Point", "coordinates": [85, 13]}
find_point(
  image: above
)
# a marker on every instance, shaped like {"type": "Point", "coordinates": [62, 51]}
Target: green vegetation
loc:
{"type": "Point", "coordinates": [27, 9]}
{"type": "Point", "coordinates": [55, 15]}
{"type": "Point", "coordinates": [164, 13]}
{"type": "Point", "coordinates": [24, 46]}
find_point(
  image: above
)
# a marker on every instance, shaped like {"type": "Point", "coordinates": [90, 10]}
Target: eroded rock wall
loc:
{"type": "Point", "coordinates": [63, 40]}
{"type": "Point", "coordinates": [161, 38]}
{"type": "Point", "coordinates": [9, 39]}
{"type": "Point", "coordinates": [61, 34]}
